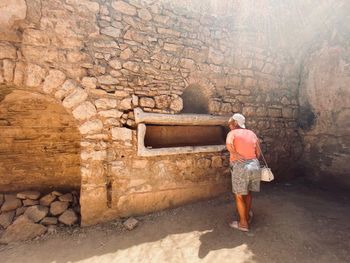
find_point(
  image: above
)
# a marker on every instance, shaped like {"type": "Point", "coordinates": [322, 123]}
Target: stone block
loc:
{"type": "Point", "coordinates": [35, 75]}
{"type": "Point", "coordinates": [47, 221]}
{"type": "Point", "coordinates": [68, 197]}
{"type": "Point", "coordinates": [216, 162]}
{"type": "Point", "coordinates": [110, 113]}
{"type": "Point", "coordinates": [36, 213]}
{"type": "Point", "coordinates": [19, 76]}
{"type": "Point", "coordinates": [111, 31]}
{"type": "Point", "coordinates": [176, 104]}
{"type": "Point", "coordinates": [6, 218]}
{"type": "Point", "coordinates": [7, 51]}
{"type": "Point", "coordinates": [140, 164]}
{"type": "Point", "coordinates": [91, 127]}
{"type": "Point", "coordinates": [9, 67]}
{"type": "Point", "coordinates": [89, 82]}
{"type": "Point", "coordinates": [22, 229]}
{"type": "Point", "coordinates": [203, 163]}
{"type": "Point", "coordinates": [107, 80]}
{"type": "Point", "coordinates": [130, 223]}
{"type": "Point", "coordinates": [275, 113]}
{"type": "Point", "coordinates": [74, 99]}
{"type": "Point", "coordinates": [11, 203]}
{"type": "Point", "coordinates": [29, 202]}
{"type": "Point", "coordinates": [125, 8]}
{"type": "Point", "coordinates": [287, 112]}
{"type": "Point", "coordinates": [58, 207]}
{"type": "Point", "coordinates": [144, 14]}
{"type": "Point", "coordinates": [122, 134]}
{"type": "Point", "coordinates": [132, 66]}
{"type": "Point", "coordinates": [215, 57]}
{"type": "Point", "coordinates": [53, 80]}
{"type": "Point", "coordinates": [33, 195]}
{"type": "Point", "coordinates": [125, 104]}
{"type": "Point", "coordinates": [84, 111]}
{"type": "Point", "coordinates": [147, 102]}
{"type": "Point", "coordinates": [47, 199]}
{"type": "Point", "coordinates": [20, 210]}
{"type": "Point", "coordinates": [115, 63]}
{"type": "Point", "coordinates": [69, 217]}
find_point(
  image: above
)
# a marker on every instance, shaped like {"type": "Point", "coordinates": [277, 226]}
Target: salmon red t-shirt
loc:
{"type": "Point", "coordinates": [244, 141]}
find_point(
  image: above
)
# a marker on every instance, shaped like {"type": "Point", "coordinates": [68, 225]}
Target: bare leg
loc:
{"type": "Point", "coordinates": [248, 203]}
{"type": "Point", "coordinates": [242, 210]}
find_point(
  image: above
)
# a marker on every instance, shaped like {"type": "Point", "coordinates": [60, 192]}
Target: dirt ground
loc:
{"type": "Point", "coordinates": [293, 223]}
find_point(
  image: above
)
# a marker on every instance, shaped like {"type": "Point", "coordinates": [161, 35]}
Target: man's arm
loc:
{"type": "Point", "coordinates": [231, 148]}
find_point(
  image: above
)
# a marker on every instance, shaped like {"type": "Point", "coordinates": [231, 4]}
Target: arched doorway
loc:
{"type": "Point", "coordinates": [40, 143]}
{"type": "Point", "coordinates": [194, 100]}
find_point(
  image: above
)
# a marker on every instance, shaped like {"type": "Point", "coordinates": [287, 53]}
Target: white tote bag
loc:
{"type": "Point", "coordinates": [266, 173]}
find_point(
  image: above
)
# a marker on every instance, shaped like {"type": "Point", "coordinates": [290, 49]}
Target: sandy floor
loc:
{"type": "Point", "coordinates": [292, 224]}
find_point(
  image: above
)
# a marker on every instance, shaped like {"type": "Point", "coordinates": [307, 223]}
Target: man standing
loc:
{"type": "Point", "coordinates": [245, 169]}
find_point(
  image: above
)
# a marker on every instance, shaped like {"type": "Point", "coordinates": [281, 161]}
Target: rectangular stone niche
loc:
{"type": "Point", "coordinates": [168, 134]}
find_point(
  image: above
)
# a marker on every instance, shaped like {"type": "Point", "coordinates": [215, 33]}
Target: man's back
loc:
{"type": "Point", "coordinates": [244, 141]}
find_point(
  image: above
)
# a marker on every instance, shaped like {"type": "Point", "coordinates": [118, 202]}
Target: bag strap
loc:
{"type": "Point", "coordinates": [262, 155]}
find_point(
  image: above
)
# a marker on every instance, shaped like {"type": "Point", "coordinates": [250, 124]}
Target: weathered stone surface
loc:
{"type": "Point", "coordinates": [54, 79]}
{"type": "Point", "coordinates": [34, 195]}
{"type": "Point", "coordinates": [89, 82]}
{"type": "Point", "coordinates": [68, 197]}
{"type": "Point", "coordinates": [20, 210]}
{"type": "Point", "coordinates": [105, 104]}
{"type": "Point", "coordinates": [132, 66]}
{"type": "Point", "coordinates": [35, 75]}
{"type": "Point", "coordinates": [107, 80]}
{"type": "Point", "coordinates": [47, 199]}
{"type": "Point", "coordinates": [74, 99]}
{"type": "Point", "coordinates": [36, 213]}
{"type": "Point", "coordinates": [22, 229]}
{"type": "Point", "coordinates": [125, 104]}
{"type": "Point", "coordinates": [216, 161]}
{"type": "Point", "coordinates": [110, 113]}
{"type": "Point", "coordinates": [58, 207]}
{"type": "Point", "coordinates": [7, 51]}
{"type": "Point", "coordinates": [69, 217]}
{"type": "Point", "coordinates": [6, 218]}
{"type": "Point", "coordinates": [115, 63]}
{"type": "Point", "coordinates": [29, 202]}
{"type": "Point", "coordinates": [124, 8]}
{"type": "Point", "coordinates": [2, 199]}
{"type": "Point", "coordinates": [9, 67]}
{"type": "Point", "coordinates": [11, 203]}
{"type": "Point", "coordinates": [176, 104]}
{"type": "Point", "coordinates": [123, 134]}
{"type": "Point", "coordinates": [144, 14]}
{"type": "Point", "coordinates": [47, 221]}
{"type": "Point", "coordinates": [147, 102]}
{"type": "Point", "coordinates": [84, 111]}
{"type": "Point", "coordinates": [111, 31]}
{"type": "Point", "coordinates": [130, 223]}
{"type": "Point", "coordinates": [90, 127]}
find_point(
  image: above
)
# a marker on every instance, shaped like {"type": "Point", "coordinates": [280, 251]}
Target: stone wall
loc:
{"type": "Point", "coordinates": [325, 101]}
{"type": "Point", "coordinates": [102, 59]}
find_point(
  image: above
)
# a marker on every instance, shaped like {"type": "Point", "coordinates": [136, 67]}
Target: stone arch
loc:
{"type": "Point", "coordinates": [54, 83]}
{"type": "Point", "coordinates": [195, 100]}
{"type": "Point", "coordinates": [40, 146]}
{"type": "Point", "coordinates": [203, 93]}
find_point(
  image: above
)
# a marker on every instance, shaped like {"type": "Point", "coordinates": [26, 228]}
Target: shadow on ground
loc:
{"type": "Point", "coordinates": [293, 223]}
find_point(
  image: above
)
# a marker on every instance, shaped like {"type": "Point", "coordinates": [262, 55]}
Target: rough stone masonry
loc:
{"type": "Point", "coordinates": [72, 72]}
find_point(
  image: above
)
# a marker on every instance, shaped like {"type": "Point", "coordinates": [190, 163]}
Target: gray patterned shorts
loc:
{"type": "Point", "coordinates": [245, 176]}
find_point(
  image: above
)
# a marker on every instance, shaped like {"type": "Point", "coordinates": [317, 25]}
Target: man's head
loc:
{"type": "Point", "coordinates": [236, 121]}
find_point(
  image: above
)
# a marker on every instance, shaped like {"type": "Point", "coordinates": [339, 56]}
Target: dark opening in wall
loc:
{"type": "Point", "coordinates": [194, 101]}
{"type": "Point", "coordinates": [180, 136]}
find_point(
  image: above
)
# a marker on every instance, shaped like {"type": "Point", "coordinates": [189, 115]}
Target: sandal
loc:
{"type": "Point", "coordinates": [235, 224]}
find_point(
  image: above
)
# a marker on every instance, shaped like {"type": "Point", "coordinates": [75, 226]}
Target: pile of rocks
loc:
{"type": "Point", "coordinates": [28, 214]}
